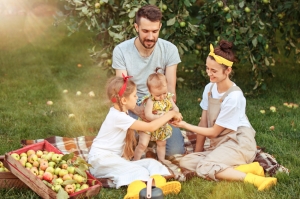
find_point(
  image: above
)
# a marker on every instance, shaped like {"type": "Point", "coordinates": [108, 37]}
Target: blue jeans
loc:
{"type": "Point", "coordinates": [175, 144]}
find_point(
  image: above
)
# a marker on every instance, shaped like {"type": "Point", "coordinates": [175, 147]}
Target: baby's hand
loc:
{"type": "Point", "coordinates": [179, 124]}
{"type": "Point", "coordinates": [178, 117]}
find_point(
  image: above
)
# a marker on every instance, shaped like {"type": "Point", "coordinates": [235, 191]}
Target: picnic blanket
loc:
{"type": "Point", "coordinates": [80, 147]}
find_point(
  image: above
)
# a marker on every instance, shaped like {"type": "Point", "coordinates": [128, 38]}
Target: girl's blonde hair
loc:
{"type": "Point", "coordinates": [156, 80]}
{"type": "Point", "coordinates": [112, 90]}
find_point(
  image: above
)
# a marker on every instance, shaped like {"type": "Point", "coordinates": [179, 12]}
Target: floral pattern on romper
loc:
{"type": "Point", "coordinates": [160, 107]}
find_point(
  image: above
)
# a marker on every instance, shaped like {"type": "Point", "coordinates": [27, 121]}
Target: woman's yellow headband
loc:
{"type": "Point", "coordinates": [218, 58]}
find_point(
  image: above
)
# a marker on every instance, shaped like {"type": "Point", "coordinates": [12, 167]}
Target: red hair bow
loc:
{"type": "Point", "coordinates": [122, 90]}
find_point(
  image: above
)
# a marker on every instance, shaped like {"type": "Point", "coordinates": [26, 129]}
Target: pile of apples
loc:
{"type": "Point", "coordinates": [3, 168]}
{"type": "Point", "coordinates": [59, 172]}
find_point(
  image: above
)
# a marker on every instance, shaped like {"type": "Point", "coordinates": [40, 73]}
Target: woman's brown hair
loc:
{"type": "Point", "coordinates": [112, 90]}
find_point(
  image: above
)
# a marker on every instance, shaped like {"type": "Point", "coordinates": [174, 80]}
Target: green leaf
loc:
{"type": "Point", "coordinates": [66, 182]}
{"type": "Point", "coordinates": [62, 194]}
{"type": "Point", "coordinates": [243, 30]}
{"type": "Point", "coordinates": [254, 42]}
{"type": "Point", "coordinates": [67, 157]}
{"type": "Point", "coordinates": [183, 46]}
{"type": "Point", "coordinates": [152, 2]}
{"type": "Point", "coordinates": [187, 3]}
{"type": "Point", "coordinates": [47, 183]}
{"type": "Point", "coordinates": [171, 22]}
{"type": "Point", "coordinates": [131, 14]}
{"type": "Point", "coordinates": [80, 172]}
{"type": "Point", "coordinates": [242, 4]}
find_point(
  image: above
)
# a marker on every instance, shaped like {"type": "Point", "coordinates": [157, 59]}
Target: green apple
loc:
{"type": "Point", "coordinates": [97, 10]}
{"type": "Point", "coordinates": [32, 158]}
{"type": "Point", "coordinates": [84, 186]}
{"type": "Point", "coordinates": [164, 7]}
{"type": "Point", "coordinates": [15, 156]}
{"type": "Point", "coordinates": [30, 152]}
{"type": "Point", "coordinates": [23, 155]}
{"type": "Point", "coordinates": [51, 164]}
{"type": "Point", "coordinates": [57, 170]}
{"type": "Point", "coordinates": [56, 187]}
{"type": "Point", "coordinates": [109, 61]}
{"type": "Point", "coordinates": [229, 20]}
{"type": "Point", "coordinates": [220, 4]}
{"type": "Point", "coordinates": [231, 7]}
{"type": "Point", "coordinates": [247, 9]}
{"type": "Point", "coordinates": [101, 2]}
{"type": "Point", "coordinates": [71, 169]}
{"type": "Point", "coordinates": [226, 9]}
{"type": "Point", "coordinates": [266, 47]}
{"type": "Point", "coordinates": [97, 5]}
{"type": "Point", "coordinates": [50, 170]}
{"type": "Point", "coordinates": [266, 1]}
{"type": "Point", "coordinates": [182, 24]}
{"type": "Point", "coordinates": [62, 172]}
{"type": "Point", "coordinates": [28, 165]}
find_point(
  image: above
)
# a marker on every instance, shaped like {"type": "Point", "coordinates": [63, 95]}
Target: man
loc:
{"type": "Point", "coordinates": [138, 57]}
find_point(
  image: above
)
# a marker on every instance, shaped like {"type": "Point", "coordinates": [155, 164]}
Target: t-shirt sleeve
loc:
{"type": "Point", "coordinates": [204, 101]}
{"type": "Point", "coordinates": [173, 56]}
{"type": "Point", "coordinates": [230, 111]}
{"type": "Point", "coordinates": [118, 60]}
{"type": "Point", "coordinates": [124, 121]}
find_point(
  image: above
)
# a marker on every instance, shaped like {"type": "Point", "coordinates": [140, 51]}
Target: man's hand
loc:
{"type": "Point", "coordinates": [140, 111]}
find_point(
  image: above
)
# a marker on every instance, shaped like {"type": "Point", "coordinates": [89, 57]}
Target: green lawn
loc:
{"type": "Point", "coordinates": [38, 61]}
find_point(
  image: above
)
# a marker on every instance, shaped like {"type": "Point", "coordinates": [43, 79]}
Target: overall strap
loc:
{"type": "Point", "coordinates": [209, 93]}
{"type": "Point", "coordinates": [232, 88]}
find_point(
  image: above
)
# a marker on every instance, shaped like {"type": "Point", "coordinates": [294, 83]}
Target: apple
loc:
{"type": "Point", "coordinates": [204, 48]}
{"type": "Point", "coordinates": [285, 104]}
{"type": "Point", "coordinates": [290, 105]}
{"type": "Point", "coordinates": [28, 165]}
{"type": "Point", "coordinates": [78, 93]}
{"type": "Point", "coordinates": [63, 172]}
{"type": "Point", "coordinates": [164, 7]}
{"type": "Point", "coordinates": [57, 170]}
{"type": "Point", "coordinates": [64, 166]}
{"type": "Point", "coordinates": [23, 162]}
{"type": "Point", "coordinates": [56, 187]}
{"type": "Point", "coordinates": [262, 111]}
{"type": "Point", "coordinates": [30, 152]}
{"type": "Point", "coordinates": [109, 62]}
{"type": "Point", "coordinates": [49, 170]}
{"type": "Point", "coordinates": [247, 9]}
{"type": "Point", "coordinates": [35, 163]}
{"type": "Point", "coordinates": [295, 106]}
{"type": "Point", "coordinates": [69, 189]}
{"type": "Point", "coordinates": [77, 189]}
{"type": "Point", "coordinates": [49, 103]}
{"type": "Point", "coordinates": [266, 46]}
{"type": "Point", "coordinates": [1, 169]}
{"type": "Point", "coordinates": [44, 165]}
{"type": "Point", "coordinates": [40, 177]}
{"type": "Point", "coordinates": [266, 1]}
{"type": "Point", "coordinates": [78, 178]}
{"type": "Point", "coordinates": [34, 170]}
{"type": "Point", "coordinates": [66, 177]}
{"type": "Point", "coordinates": [220, 4]}
{"type": "Point", "coordinates": [198, 46]}
{"type": "Point", "coordinates": [39, 153]}
{"type": "Point", "coordinates": [32, 158]}
{"type": "Point", "coordinates": [65, 91]}
{"type": "Point", "coordinates": [97, 10]}
{"type": "Point", "coordinates": [226, 9]}
{"type": "Point", "coordinates": [229, 20]}
{"type": "Point", "coordinates": [23, 155]}
{"type": "Point", "coordinates": [231, 7]}
{"type": "Point", "coordinates": [51, 164]}
{"type": "Point", "coordinates": [273, 108]}
{"type": "Point", "coordinates": [71, 115]}
{"type": "Point", "coordinates": [91, 94]}
{"type": "Point", "coordinates": [48, 176]}
{"type": "Point", "coordinates": [97, 5]}
{"type": "Point", "coordinates": [272, 128]}
{"type": "Point", "coordinates": [84, 186]}
{"type": "Point", "coordinates": [58, 181]}
{"type": "Point", "coordinates": [15, 156]}
{"type": "Point", "coordinates": [56, 158]}
{"type": "Point", "coordinates": [182, 24]}
{"type": "Point", "coordinates": [41, 172]}
{"type": "Point", "coordinates": [71, 169]}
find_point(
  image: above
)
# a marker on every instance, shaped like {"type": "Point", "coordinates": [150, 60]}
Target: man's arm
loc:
{"type": "Point", "coordinates": [119, 72]}
{"type": "Point", "coordinates": [171, 78]}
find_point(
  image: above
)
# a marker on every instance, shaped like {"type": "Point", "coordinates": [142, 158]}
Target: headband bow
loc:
{"type": "Point", "coordinates": [123, 88]}
{"type": "Point", "coordinates": [218, 58]}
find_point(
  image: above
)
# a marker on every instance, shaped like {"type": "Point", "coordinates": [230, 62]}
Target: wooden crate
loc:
{"type": "Point", "coordinates": [9, 180]}
{"type": "Point", "coordinates": [34, 183]}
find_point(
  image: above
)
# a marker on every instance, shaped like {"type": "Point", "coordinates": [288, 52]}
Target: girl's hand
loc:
{"type": "Point", "coordinates": [179, 124]}
{"type": "Point", "coordinates": [177, 117]}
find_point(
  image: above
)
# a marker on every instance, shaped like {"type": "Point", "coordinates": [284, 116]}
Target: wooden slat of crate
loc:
{"type": "Point", "coordinates": [36, 184]}
{"type": "Point", "coordinates": [9, 180]}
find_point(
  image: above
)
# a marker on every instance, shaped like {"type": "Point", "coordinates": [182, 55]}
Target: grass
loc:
{"type": "Point", "coordinates": [38, 61]}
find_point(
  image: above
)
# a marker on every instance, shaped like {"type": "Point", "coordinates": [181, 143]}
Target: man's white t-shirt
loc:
{"type": "Point", "coordinates": [233, 108]}
{"type": "Point", "coordinates": [127, 57]}
{"type": "Point", "coordinates": [111, 136]}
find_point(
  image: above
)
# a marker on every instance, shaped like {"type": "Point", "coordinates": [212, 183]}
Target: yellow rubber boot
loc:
{"type": "Point", "coordinates": [134, 189]}
{"type": "Point", "coordinates": [260, 182]}
{"type": "Point", "coordinates": [166, 187]}
{"type": "Point", "coordinates": [253, 168]}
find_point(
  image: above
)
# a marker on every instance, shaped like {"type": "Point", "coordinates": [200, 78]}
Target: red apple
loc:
{"type": "Point", "coordinates": [30, 152]}
{"type": "Point", "coordinates": [69, 189]}
{"type": "Point", "coordinates": [48, 176]}
{"type": "Point", "coordinates": [44, 165]}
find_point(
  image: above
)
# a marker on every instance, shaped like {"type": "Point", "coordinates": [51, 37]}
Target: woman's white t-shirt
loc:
{"type": "Point", "coordinates": [233, 108]}
{"type": "Point", "coordinates": [111, 136]}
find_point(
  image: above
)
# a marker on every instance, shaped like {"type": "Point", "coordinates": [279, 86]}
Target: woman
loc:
{"type": "Point", "coordinates": [232, 145]}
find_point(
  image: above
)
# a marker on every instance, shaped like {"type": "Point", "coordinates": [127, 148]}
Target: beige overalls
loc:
{"type": "Point", "coordinates": [229, 149]}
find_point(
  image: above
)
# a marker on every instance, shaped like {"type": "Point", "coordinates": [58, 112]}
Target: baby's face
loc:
{"type": "Point", "coordinates": [159, 93]}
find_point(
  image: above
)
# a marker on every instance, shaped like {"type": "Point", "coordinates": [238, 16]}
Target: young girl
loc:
{"type": "Point", "coordinates": [232, 145]}
{"type": "Point", "coordinates": [112, 148]}
{"type": "Point", "coordinates": [157, 103]}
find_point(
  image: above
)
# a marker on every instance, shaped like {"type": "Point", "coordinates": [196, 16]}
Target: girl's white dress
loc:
{"type": "Point", "coordinates": [106, 153]}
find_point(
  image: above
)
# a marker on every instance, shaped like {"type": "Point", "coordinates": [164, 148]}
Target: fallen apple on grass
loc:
{"type": "Point", "coordinates": [273, 108]}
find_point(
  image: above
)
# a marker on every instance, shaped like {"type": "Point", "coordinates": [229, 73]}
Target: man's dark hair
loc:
{"type": "Point", "coordinates": [149, 12]}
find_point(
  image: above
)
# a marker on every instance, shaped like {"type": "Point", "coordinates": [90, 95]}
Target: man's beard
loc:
{"type": "Point", "coordinates": [147, 40]}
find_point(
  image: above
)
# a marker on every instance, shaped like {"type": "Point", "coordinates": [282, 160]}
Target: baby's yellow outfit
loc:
{"type": "Point", "coordinates": [160, 107]}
